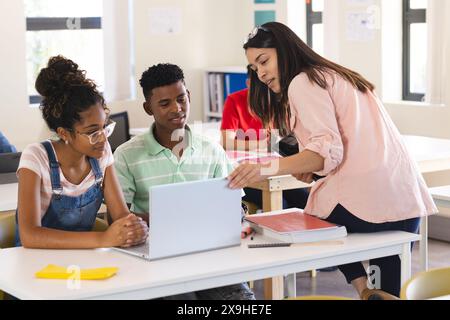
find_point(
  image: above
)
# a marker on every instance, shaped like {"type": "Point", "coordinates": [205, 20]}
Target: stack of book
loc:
{"type": "Point", "coordinates": [295, 226]}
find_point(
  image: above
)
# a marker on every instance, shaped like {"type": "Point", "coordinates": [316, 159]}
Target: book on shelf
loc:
{"type": "Point", "coordinates": [220, 85]}
{"type": "Point", "coordinates": [220, 100]}
{"type": "Point", "coordinates": [295, 226]}
{"type": "Point", "coordinates": [234, 82]}
{"type": "Point", "coordinates": [212, 93]}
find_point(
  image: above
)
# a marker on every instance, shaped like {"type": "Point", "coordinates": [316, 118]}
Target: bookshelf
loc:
{"type": "Point", "coordinates": [218, 84]}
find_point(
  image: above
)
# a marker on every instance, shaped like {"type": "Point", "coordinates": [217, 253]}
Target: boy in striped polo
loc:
{"type": "Point", "coordinates": [170, 152]}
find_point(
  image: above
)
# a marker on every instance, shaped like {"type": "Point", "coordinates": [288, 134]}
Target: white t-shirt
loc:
{"type": "Point", "coordinates": [35, 158]}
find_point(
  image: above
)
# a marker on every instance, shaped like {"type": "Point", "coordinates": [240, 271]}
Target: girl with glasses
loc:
{"type": "Point", "coordinates": [370, 183]}
{"type": "Point", "coordinates": [62, 183]}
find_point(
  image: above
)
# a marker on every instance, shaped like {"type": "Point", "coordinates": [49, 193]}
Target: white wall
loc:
{"type": "Point", "coordinates": [383, 53]}
{"type": "Point", "coordinates": [212, 35]}
{"type": "Point", "coordinates": [362, 57]}
{"type": "Point", "coordinates": [20, 123]}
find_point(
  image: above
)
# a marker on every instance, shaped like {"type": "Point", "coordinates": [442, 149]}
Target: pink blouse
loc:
{"type": "Point", "coordinates": [367, 166]}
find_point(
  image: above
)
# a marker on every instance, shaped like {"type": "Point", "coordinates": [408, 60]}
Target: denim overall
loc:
{"type": "Point", "coordinates": [76, 214]}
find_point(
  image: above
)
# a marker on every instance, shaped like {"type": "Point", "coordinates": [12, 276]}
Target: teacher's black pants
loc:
{"type": "Point", "coordinates": [389, 267]}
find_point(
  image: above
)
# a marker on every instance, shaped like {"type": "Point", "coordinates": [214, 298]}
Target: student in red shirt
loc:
{"type": "Point", "coordinates": [240, 129]}
{"type": "Point", "coordinates": [243, 131]}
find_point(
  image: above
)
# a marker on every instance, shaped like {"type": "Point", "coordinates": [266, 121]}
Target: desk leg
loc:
{"type": "Point", "coordinates": [423, 244]}
{"type": "Point", "coordinates": [406, 263]}
{"type": "Point", "coordinates": [273, 288]}
{"type": "Point", "coordinates": [291, 284]}
{"type": "Point", "coordinates": [272, 200]}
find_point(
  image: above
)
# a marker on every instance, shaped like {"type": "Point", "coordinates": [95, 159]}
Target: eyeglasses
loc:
{"type": "Point", "coordinates": [96, 137]}
{"type": "Point", "coordinates": [253, 33]}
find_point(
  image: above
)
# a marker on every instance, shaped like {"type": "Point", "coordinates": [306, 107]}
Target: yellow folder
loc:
{"type": "Point", "coordinates": [56, 272]}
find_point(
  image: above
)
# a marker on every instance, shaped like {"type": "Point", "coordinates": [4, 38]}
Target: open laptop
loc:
{"type": "Point", "coordinates": [191, 217]}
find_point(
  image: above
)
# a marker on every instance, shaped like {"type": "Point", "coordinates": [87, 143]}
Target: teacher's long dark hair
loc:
{"type": "Point", "coordinates": [294, 57]}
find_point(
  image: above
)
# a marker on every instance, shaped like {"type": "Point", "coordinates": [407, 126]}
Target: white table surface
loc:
{"type": "Point", "coordinates": [431, 154]}
{"type": "Point", "coordinates": [441, 298]}
{"type": "Point", "coordinates": [140, 279]}
{"type": "Point", "coordinates": [8, 196]}
{"type": "Point", "coordinates": [441, 193]}
{"type": "Point", "coordinates": [441, 196]}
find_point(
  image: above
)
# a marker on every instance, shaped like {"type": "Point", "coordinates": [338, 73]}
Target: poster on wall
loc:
{"type": "Point", "coordinates": [165, 21]}
{"type": "Point", "coordinates": [360, 27]}
{"type": "Point", "coordinates": [263, 16]}
{"type": "Point", "coordinates": [361, 3]}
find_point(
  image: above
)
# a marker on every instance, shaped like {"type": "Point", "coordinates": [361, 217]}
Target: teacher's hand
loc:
{"type": "Point", "coordinates": [305, 177]}
{"type": "Point", "coordinates": [245, 175]}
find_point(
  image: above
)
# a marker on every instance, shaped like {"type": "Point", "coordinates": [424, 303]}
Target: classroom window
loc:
{"type": "Point", "coordinates": [314, 24]}
{"type": "Point", "coordinates": [414, 50]}
{"type": "Point", "coordinates": [66, 27]}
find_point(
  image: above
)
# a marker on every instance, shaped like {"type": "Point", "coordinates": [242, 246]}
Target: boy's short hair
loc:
{"type": "Point", "coordinates": [160, 75]}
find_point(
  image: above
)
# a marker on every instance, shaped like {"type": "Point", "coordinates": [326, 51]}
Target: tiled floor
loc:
{"type": "Point", "coordinates": [333, 283]}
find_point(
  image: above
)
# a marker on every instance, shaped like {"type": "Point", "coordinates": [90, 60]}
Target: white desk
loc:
{"type": "Point", "coordinates": [8, 196]}
{"type": "Point", "coordinates": [447, 297]}
{"type": "Point", "coordinates": [431, 154]}
{"type": "Point", "coordinates": [441, 195]}
{"type": "Point", "coordinates": [441, 222]}
{"type": "Point", "coordinates": [140, 279]}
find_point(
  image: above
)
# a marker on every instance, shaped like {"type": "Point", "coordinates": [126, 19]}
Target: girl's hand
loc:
{"type": "Point", "coordinates": [305, 177]}
{"type": "Point", "coordinates": [245, 175]}
{"type": "Point", "coordinates": [126, 232]}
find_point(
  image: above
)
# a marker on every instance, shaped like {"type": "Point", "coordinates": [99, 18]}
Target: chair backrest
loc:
{"type": "Point", "coordinates": [121, 133]}
{"type": "Point", "coordinates": [9, 162]}
{"type": "Point", "coordinates": [7, 230]}
{"type": "Point", "coordinates": [100, 225]}
{"type": "Point", "coordinates": [427, 285]}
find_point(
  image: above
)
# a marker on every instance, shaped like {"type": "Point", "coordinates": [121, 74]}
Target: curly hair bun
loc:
{"type": "Point", "coordinates": [59, 75]}
{"type": "Point", "coordinates": [66, 92]}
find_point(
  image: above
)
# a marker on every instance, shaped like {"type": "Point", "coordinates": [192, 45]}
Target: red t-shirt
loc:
{"type": "Point", "coordinates": [236, 116]}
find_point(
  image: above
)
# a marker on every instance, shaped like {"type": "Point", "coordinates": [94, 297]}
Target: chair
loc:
{"type": "Point", "coordinates": [100, 225]}
{"type": "Point", "coordinates": [252, 208]}
{"type": "Point", "coordinates": [427, 285]}
{"type": "Point", "coordinates": [9, 162]}
{"type": "Point", "coordinates": [7, 230]}
{"type": "Point", "coordinates": [121, 133]}
{"type": "Point", "coordinates": [7, 234]}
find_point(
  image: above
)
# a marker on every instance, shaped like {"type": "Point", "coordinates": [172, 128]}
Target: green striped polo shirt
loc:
{"type": "Point", "coordinates": [142, 163]}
